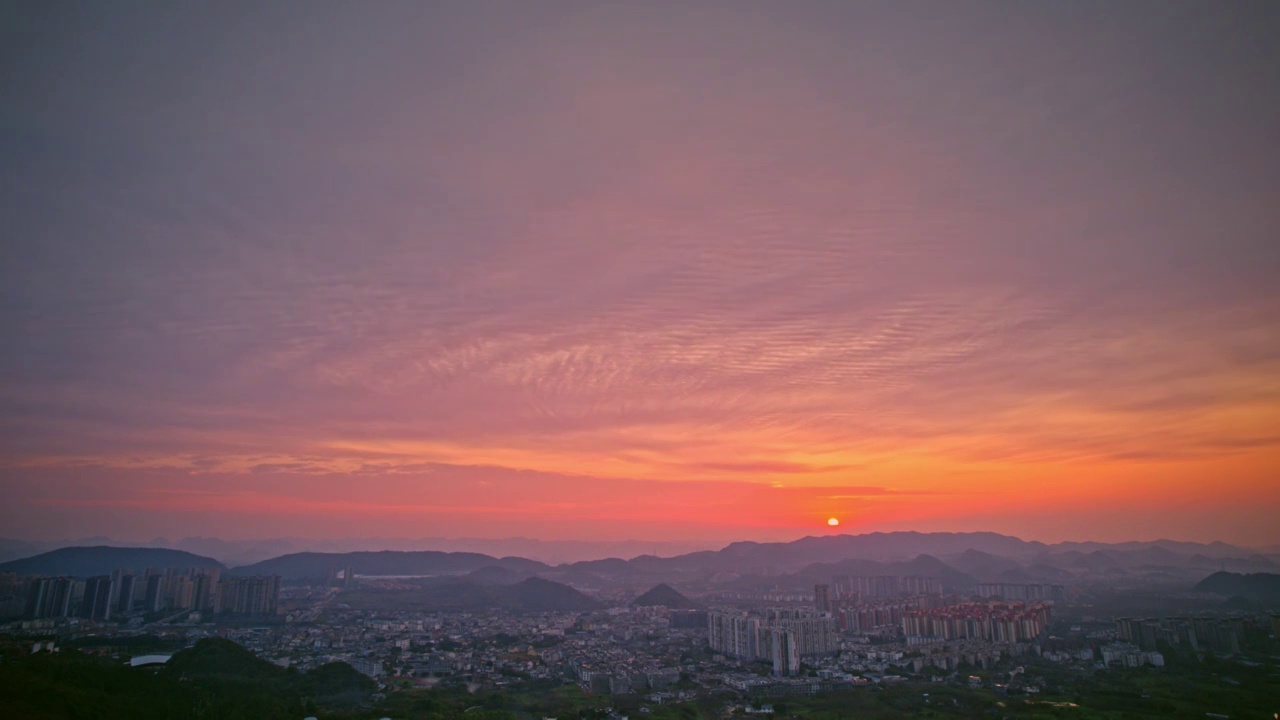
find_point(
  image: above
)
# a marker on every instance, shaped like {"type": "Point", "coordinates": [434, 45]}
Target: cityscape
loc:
{"type": "Point", "coordinates": [121, 592]}
{"type": "Point", "coordinates": [716, 635]}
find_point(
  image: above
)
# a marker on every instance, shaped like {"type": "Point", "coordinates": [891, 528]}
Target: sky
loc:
{"type": "Point", "coordinates": [663, 270]}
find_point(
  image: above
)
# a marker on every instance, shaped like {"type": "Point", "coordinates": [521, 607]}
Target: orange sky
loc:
{"type": "Point", "coordinates": [577, 271]}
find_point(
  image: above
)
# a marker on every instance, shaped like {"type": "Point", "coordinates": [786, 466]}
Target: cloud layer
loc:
{"type": "Point", "coordinates": [698, 271]}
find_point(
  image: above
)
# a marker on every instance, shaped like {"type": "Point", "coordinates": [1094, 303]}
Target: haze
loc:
{"type": "Point", "coordinates": [654, 271]}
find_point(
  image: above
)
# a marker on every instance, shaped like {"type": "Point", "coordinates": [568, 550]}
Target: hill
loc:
{"type": "Point", "coordinates": [309, 565]}
{"type": "Point", "coordinates": [921, 565]}
{"type": "Point", "coordinates": [984, 566]}
{"type": "Point", "coordinates": [218, 659]}
{"type": "Point", "coordinates": [102, 560]}
{"type": "Point", "coordinates": [1256, 585]}
{"type": "Point", "coordinates": [1097, 561]}
{"type": "Point", "coordinates": [664, 595]}
{"type": "Point", "coordinates": [494, 575]}
{"type": "Point", "coordinates": [215, 657]}
{"type": "Point", "coordinates": [929, 566]}
{"type": "Point", "coordinates": [215, 678]}
{"type": "Point", "coordinates": [538, 595]}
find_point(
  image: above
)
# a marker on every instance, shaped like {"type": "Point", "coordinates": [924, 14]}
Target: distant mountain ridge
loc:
{"type": "Point", "coordinates": [299, 566]}
{"type": "Point", "coordinates": [880, 545]}
{"type": "Point", "coordinates": [246, 552]}
{"type": "Point", "coordinates": [922, 565]}
{"type": "Point", "coordinates": [102, 560]}
{"type": "Point", "coordinates": [960, 560]}
{"type": "Point", "coordinates": [461, 594]}
{"type": "Point", "coordinates": [983, 565]}
{"type": "Point", "coordinates": [974, 557]}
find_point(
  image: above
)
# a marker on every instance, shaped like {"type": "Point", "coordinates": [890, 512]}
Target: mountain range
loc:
{"type": "Point", "coordinates": [246, 552]}
{"type": "Point", "coordinates": [959, 560]}
{"type": "Point", "coordinates": [896, 545]}
{"type": "Point", "coordinates": [310, 565]}
{"type": "Point", "coordinates": [462, 594]}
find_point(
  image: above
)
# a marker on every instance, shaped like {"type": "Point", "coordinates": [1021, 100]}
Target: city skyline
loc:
{"type": "Point", "coordinates": [697, 273]}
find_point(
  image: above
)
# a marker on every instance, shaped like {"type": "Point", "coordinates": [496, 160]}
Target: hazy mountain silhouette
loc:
{"type": "Point", "coordinates": [965, 558]}
{"type": "Point", "coordinates": [974, 556]}
{"type": "Point", "coordinates": [663, 595]}
{"type": "Point", "coordinates": [1098, 560]}
{"type": "Point", "coordinates": [539, 595]}
{"type": "Point", "coordinates": [529, 595]}
{"type": "Point", "coordinates": [1048, 573]}
{"type": "Point", "coordinates": [821, 572]}
{"type": "Point", "coordinates": [1012, 575]}
{"type": "Point", "coordinates": [300, 566]}
{"type": "Point", "coordinates": [984, 566]}
{"type": "Point", "coordinates": [495, 575]}
{"type": "Point", "coordinates": [16, 549]}
{"type": "Point", "coordinates": [102, 560]}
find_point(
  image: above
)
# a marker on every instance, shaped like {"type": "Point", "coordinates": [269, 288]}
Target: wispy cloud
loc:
{"type": "Point", "coordinates": [902, 252]}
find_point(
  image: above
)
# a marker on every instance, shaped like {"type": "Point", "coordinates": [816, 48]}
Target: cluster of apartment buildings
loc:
{"type": "Point", "coordinates": [123, 592]}
{"type": "Point", "coordinates": [882, 617]}
{"type": "Point", "coordinates": [1129, 655]}
{"type": "Point", "coordinates": [778, 635]}
{"type": "Point", "coordinates": [1026, 592]}
{"type": "Point", "coordinates": [997, 622]}
{"type": "Point", "coordinates": [1217, 634]}
{"type": "Point", "coordinates": [865, 587]}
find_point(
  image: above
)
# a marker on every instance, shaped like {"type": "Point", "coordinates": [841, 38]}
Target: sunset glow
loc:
{"type": "Point", "coordinates": [600, 272]}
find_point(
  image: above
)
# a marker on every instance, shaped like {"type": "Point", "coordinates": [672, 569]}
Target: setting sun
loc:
{"type": "Point", "coordinates": [833, 522]}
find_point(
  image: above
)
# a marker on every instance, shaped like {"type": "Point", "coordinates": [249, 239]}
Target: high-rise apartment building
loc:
{"type": "Point", "coordinates": [50, 597]}
{"type": "Point", "coordinates": [204, 588]}
{"type": "Point", "coordinates": [255, 596]}
{"type": "Point", "coordinates": [734, 633]}
{"type": "Point", "coordinates": [117, 581]}
{"type": "Point", "coordinates": [97, 598]}
{"type": "Point", "coordinates": [750, 637]}
{"type": "Point", "coordinates": [154, 600]}
{"type": "Point", "coordinates": [124, 596]}
{"type": "Point", "coordinates": [822, 598]}
{"type": "Point", "coordinates": [168, 587]}
{"type": "Point", "coordinates": [992, 621]}
{"type": "Point", "coordinates": [815, 633]}
{"type": "Point", "coordinates": [1027, 592]}
{"type": "Point", "coordinates": [182, 592]}
{"type": "Point", "coordinates": [784, 651]}
{"type": "Point", "coordinates": [882, 587]}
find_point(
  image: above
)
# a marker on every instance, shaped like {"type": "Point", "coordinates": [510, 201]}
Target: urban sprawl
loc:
{"type": "Point", "coordinates": [849, 632]}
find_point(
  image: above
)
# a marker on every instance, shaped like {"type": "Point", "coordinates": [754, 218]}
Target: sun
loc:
{"type": "Point", "coordinates": [833, 521]}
